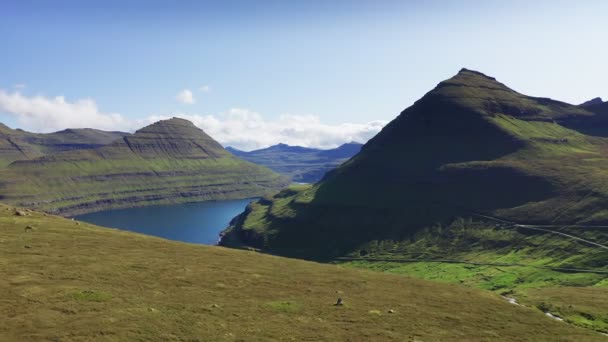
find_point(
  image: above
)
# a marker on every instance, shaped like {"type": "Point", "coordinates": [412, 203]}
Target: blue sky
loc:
{"type": "Point", "coordinates": [339, 69]}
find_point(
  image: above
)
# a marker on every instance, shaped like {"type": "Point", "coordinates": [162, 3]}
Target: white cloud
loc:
{"type": "Point", "coordinates": [46, 114]}
{"type": "Point", "coordinates": [19, 85]}
{"type": "Point", "coordinates": [185, 96]}
{"type": "Point", "coordinates": [205, 89]}
{"type": "Point", "coordinates": [248, 130]}
{"type": "Point", "coordinates": [240, 128]}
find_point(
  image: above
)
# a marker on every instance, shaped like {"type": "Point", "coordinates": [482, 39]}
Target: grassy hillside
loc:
{"type": "Point", "coordinates": [300, 164]}
{"type": "Point", "coordinates": [17, 144]}
{"type": "Point", "coordinates": [70, 281]}
{"type": "Point", "coordinates": [522, 263]}
{"type": "Point", "coordinates": [170, 161]}
{"type": "Point", "coordinates": [471, 145]}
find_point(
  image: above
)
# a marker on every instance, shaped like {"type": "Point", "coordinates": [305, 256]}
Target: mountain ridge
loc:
{"type": "Point", "coordinates": [594, 101]}
{"type": "Point", "coordinates": [17, 144]}
{"type": "Point", "coordinates": [170, 161]}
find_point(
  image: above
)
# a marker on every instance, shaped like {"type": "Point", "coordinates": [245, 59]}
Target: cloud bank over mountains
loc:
{"type": "Point", "coordinates": [248, 130]}
{"type": "Point", "coordinates": [49, 114]}
{"type": "Point", "coordinates": [237, 127]}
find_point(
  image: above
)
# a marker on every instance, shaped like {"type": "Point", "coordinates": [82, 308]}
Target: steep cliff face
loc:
{"type": "Point", "coordinates": [170, 161]}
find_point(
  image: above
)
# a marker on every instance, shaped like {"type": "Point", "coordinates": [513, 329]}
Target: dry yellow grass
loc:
{"type": "Point", "coordinates": [63, 280]}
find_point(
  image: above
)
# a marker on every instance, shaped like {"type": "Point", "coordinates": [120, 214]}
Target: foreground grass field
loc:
{"type": "Point", "coordinates": [578, 298]}
{"type": "Point", "coordinates": [63, 280]}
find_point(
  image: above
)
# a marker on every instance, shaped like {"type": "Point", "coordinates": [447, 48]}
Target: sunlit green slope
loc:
{"type": "Point", "coordinates": [167, 162]}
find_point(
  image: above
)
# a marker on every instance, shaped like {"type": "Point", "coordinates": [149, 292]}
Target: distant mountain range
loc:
{"type": "Point", "coordinates": [300, 164]}
{"type": "Point", "coordinates": [77, 171]}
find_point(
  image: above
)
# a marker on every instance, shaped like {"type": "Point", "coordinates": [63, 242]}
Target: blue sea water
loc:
{"type": "Point", "coordinates": [191, 222]}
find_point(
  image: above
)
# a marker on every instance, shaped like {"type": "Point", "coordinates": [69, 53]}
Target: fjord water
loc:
{"type": "Point", "coordinates": [190, 222]}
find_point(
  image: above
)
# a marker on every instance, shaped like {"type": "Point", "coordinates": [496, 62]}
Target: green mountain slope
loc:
{"type": "Point", "coordinates": [300, 164]}
{"type": "Point", "coordinates": [17, 144]}
{"type": "Point", "coordinates": [167, 162]}
{"type": "Point", "coordinates": [471, 145]}
{"type": "Point", "coordinates": [471, 148]}
{"type": "Point", "coordinates": [70, 281]}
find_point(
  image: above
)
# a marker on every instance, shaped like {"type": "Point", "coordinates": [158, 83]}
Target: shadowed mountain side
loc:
{"type": "Point", "coordinates": [171, 161]}
{"type": "Point", "coordinates": [592, 102]}
{"type": "Point", "coordinates": [596, 125]}
{"type": "Point", "coordinates": [471, 145]}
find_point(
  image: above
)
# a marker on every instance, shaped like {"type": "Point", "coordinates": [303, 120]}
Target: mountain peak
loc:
{"type": "Point", "coordinates": [595, 101]}
{"type": "Point", "coordinates": [174, 126]}
{"type": "Point", "coordinates": [174, 137]}
{"type": "Point", "coordinates": [479, 93]}
{"type": "Point", "coordinates": [174, 121]}
{"type": "Point", "coordinates": [469, 72]}
{"type": "Point", "coordinates": [468, 85]}
{"type": "Point", "coordinates": [475, 79]}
